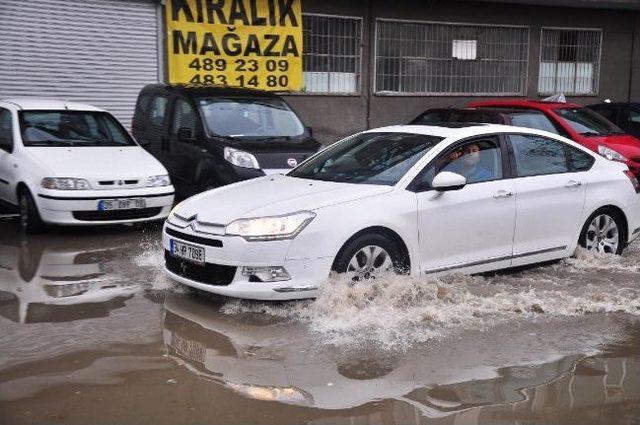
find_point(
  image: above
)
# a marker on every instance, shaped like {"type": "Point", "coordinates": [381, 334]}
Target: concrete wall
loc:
{"type": "Point", "coordinates": [333, 117]}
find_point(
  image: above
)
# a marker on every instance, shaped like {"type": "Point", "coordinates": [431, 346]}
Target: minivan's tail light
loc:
{"type": "Point", "coordinates": [634, 180]}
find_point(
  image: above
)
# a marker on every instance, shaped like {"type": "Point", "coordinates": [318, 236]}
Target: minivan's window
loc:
{"type": "Point", "coordinates": [535, 120]}
{"type": "Point", "coordinates": [6, 130]}
{"type": "Point", "coordinates": [158, 110]}
{"type": "Point", "coordinates": [537, 155]}
{"type": "Point", "coordinates": [184, 117]}
{"type": "Point", "coordinates": [72, 128]}
{"type": "Point", "coordinates": [478, 161]}
{"type": "Point", "coordinates": [368, 158]}
{"type": "Point", "coordinates": [587, 122]}
{"type": "Point", "coordinates": [249, 117]}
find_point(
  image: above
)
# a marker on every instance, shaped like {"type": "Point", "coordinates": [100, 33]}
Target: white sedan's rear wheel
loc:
{"type": "Point", "coordinates": [603, 232]}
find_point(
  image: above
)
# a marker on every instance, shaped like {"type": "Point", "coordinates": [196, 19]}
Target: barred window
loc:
{"type": "Point", "coordinates": [441, 58]}
{"type": "Point", "coordinates": [569, 61]}
{"type": "Point", "coordinates": [331, 58]}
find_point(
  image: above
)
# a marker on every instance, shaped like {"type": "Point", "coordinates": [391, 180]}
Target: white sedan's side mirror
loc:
{"type": "Point", "coordinates": [446, 180]}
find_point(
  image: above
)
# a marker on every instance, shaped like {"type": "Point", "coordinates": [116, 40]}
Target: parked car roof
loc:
{"type": "Point", "coordinates": [635, 104]}
{"type": "Point", "coordinates": [34, 103]}
{"type": "Point", "coordinates": [520, 103]}
{"type": "Point", "coordinates": [210, 90]}
{"type": "Point", "coordinates": [463, 130]}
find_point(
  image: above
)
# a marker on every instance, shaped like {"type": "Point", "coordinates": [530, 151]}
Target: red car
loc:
{"type": "Point", "coordinates": [583, 126]}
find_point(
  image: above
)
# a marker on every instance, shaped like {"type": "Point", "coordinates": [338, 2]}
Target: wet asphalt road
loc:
{"type": "Point", "coordinates": [91, 332]}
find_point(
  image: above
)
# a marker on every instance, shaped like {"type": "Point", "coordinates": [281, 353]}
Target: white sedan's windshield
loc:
{"type": "Point", "coordinates": [369, 158]}
{"type": "Point", "coordinates": [249, 117]}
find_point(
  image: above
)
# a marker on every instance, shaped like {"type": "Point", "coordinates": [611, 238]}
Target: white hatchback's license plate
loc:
{"type": "Point", "coordinates": [121, 204]}
{"type": "Point", "coordinates": [187, 251]}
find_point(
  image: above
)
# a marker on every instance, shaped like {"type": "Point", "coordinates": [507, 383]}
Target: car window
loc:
{"type": "Point", "coordinates": [244, 117]}
{"type": "Point", "coordinates": [432, 117]}
{"type": "Point", "coordinates": [478, 160]}
{"type": "Point", "coordinates": [6, 130]}
{"type": "Point", "coordinates": [184, 116]}
{"type": "Point", "coordinates": [535, 120]}
{"type": "Point", "coordinates": [158, 110]}
{"type": "Point", "coordinates": [586, 122]}
{"type": "Point", "coordinates": [368, 158]}
{"type": "Point", "coordinates": [474, 116]}
{"type": "Point", "coordinates": [71, 128]}
{"type": "Point", "coordinates": [631, 120]}
{"type": "Point", "coordinates": [608, 113]}
{"type": "Point", "coordinates": [537, 155]}
{"type": "Point", "coordinates": [579, 160]}
{"type": "Point", "coordinates": [142, 107]}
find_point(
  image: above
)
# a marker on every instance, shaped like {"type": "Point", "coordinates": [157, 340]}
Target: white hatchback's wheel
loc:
{"type": "Point", "coordinates": [603, 233]}
{"type": "Point", "coordinates": [369, 256]}
{"type": "Point", "coordinates": [30, 220]}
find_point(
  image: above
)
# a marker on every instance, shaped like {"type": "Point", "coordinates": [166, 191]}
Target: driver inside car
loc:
{"type": "Point", "coordinates": [471, 167]}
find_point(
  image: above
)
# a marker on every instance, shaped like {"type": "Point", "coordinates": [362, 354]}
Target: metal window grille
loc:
{"type": "Point", "coordinates": [445, 58]}
{"type": "Point", "coordinates": [569, 61]}
{"type": "Point", "coordinates": [332, 53]}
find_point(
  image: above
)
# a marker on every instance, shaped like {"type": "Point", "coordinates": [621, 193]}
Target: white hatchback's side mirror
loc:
{"type": "Point", "coordinates": [446, 180]}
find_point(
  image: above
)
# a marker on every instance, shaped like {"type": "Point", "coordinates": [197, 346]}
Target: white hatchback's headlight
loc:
{"type": "Point", "coordinates": [611, 154]}
{"type": "Point", "coordinates": [270, 228]}
{"type": "Point", "coordinates": [240, 158]}
{"type": "Point", "coordinates": [157, 181]}
{"type": "Point", "coordinates": [65, 183]}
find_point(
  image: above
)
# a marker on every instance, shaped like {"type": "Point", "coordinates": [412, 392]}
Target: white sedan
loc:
{"type": "Point", "coordinates": [416, 200]}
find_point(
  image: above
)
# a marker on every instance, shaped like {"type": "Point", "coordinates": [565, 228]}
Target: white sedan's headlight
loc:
{"type": "Point", "coordinates": [270, 228]}
{"type": "Point", "coordinates": [240, 158]}
{"type": "Point", "coordinates": [65, 183]}
{"type": "Point", "coordinates": [157, 181]}
{"type": "Point", "coordinates": [611, 154]}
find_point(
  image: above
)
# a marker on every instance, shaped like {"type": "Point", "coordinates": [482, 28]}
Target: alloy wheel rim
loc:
{"type": "Point", "coordinates": [603, 235]}
{"type": "Point", "coordinates": [369, 262]}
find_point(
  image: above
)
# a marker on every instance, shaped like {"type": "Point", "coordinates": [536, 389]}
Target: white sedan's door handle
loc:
{"type": "Point", "coordinates": [572, 184]}
{"type": "Point", "coordinates": [502, 194]}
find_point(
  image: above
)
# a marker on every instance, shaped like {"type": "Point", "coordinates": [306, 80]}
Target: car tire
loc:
{"type": "Point", "coordinates": [369, 252]}
{"type": "Point", "coordinates": [604, 232]}
{"type": "Point", "coordinates": [30, 220]}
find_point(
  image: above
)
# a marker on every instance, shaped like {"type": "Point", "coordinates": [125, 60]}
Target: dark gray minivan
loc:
{"type": "Point", "coordinates": [208, 136]}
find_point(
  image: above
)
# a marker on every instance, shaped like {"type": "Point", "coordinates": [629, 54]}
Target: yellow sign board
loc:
{"type": "Point", "coordinates": [237, 43]}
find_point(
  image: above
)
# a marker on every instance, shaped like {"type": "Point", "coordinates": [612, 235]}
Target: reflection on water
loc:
{"type": "Point", "coordinates": [45, 278]}
{"type": "Point", "coordinates": [478, 378]}
{"type": "Point", "coordinates": [92, 332]}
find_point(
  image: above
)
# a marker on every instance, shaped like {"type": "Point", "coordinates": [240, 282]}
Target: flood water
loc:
{"type": "Point", "coordinates": [91, 332]}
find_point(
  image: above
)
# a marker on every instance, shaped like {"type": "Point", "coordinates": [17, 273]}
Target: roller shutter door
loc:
{"type": "Point", "coordinates": [94, 51]}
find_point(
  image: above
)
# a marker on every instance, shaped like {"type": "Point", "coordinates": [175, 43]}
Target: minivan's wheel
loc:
{"type": "Point", "coordinates": [603, 232]}
{"type": "Point", "coordinates": [368, 257]}
{"type": "Point", "coordinates": [30, 220]}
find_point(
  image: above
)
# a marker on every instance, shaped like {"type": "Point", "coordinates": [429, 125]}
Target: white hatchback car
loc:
{"type": "Point", "coordinates": [404, 199]}
{"type": "Point", "coordinates": [72, 164]}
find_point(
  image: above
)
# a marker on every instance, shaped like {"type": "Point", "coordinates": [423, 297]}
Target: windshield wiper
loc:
{"type": "Point", "coordinates": [592, 133]}
{"type": "Point", "coordinates": [285, 138]}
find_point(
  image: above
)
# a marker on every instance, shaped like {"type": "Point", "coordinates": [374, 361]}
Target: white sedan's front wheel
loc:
{"type": "Point", "coordinates": [370, 256]}
{"type": "Point", "coordinates": [603, 232]}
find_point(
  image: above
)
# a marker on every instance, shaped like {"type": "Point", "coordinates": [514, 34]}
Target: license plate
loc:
{"type": "Point", "coordinates": [186, 251]}
{"type": "Point", "coordinates": [121, 204]}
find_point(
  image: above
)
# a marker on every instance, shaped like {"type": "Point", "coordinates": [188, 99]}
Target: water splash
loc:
{"type": "Point", "coordinates": [400, 311]}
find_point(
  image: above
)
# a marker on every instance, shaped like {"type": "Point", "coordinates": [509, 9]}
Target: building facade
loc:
{"type": "Point", "coordinates": [367, 63]}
